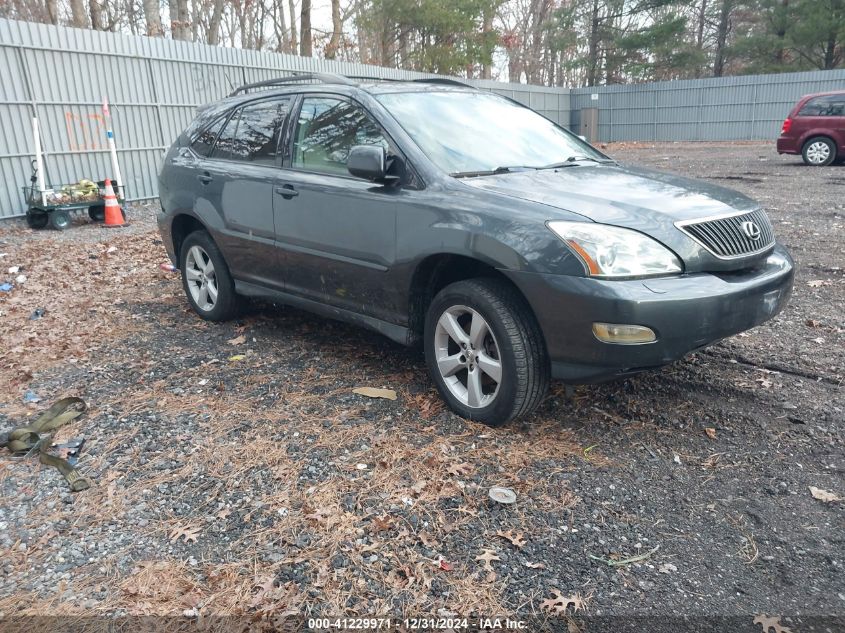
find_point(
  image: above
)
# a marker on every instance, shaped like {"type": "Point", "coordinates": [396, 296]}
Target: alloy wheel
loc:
{"type": "Point", "coordinates": [201, 278]}
{"type": "Point", "coordinates": [468, 356]}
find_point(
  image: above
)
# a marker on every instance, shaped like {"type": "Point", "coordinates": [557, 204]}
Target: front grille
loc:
{"type": "Point", "coordinates": [726, 237]}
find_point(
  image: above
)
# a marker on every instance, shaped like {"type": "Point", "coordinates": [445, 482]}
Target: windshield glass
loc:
{"type": "Point", "coordinates": [468, 132]}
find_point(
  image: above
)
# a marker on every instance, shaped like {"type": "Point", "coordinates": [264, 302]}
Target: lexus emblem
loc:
{"type": "Point", "coordinates": [751, 230]}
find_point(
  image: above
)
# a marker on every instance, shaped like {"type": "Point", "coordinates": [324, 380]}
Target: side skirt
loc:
{"type": "Point", "coordinates": [398, 333]}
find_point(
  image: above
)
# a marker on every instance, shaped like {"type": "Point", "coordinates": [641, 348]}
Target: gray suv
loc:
{"type": "Point", "coordinates": [442, 215]}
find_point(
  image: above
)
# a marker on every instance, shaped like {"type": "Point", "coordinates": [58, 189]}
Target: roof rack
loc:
{"type": "Point", "coordinates": [429, 80]}
{"type": "Point", "coordinates": [443, 80]}
{"type": "Point", "coordinates": [327, 78]}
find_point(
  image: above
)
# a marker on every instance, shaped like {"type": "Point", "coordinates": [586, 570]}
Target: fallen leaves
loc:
{"type": "Point", "coordinates": [487, 556]}
{"type": "Point", "coordinates": [375, 392]}
{"type": "Point", "coordinates": [711, 432]}
{"type": "Point", "coordinates": [459, 469]}
{"type": "Point", "coordinates": [771, 622]}
{"type": "Point", "coordinates": [517, 539]}
{"type": "Point", "coordinates": [238, 340]}
{"type": "Point", "coordinates": [824, 495]}
{"type": "Point", "coordinates": [237, 357]}
{"type": "Point", "coordinates": [816, 283]}
{"type": "Point", "coordinates": [187, 532]}
{"type": "Point", "coordinates": [558, 603]}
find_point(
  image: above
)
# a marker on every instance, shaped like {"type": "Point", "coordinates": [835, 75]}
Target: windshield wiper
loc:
{"type": "Point", "coordinates": [491, 172]}
{"type": "Point", "coordinates": [573, 161]}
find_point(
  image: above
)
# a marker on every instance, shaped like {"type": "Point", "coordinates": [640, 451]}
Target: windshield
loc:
{"type": "Point", "coordinates": [473, 133]}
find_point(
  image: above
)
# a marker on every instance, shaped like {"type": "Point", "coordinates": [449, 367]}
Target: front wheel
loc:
{"type": "Point", "coordinates": [485, 351]}
{"type": "Point", "coordinates": [819, 151]}
{"type": "Point", "coordinates": [206, 279]}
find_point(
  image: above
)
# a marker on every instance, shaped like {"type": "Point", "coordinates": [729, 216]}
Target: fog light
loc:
{"type": "Point", "coordinates": [623, 334]}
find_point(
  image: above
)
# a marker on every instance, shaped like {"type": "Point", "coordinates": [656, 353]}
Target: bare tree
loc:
{"type": "Point", "coordinates": [722, 37]}
{"type": "Point", "coordinates": [152, 15]}
{"type": "Point", "coordinates": [305, 29]}
{"type": "Point", "coordinates": [78, 16]}
{"type": "Point", "coordinates": [179, 20]}
{"type": "Point", "coordinates": [337, 31]}
{"type": "Point", "coordinates": [294, 45]}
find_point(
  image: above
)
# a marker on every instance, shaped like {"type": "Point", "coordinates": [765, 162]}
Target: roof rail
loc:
{"type": "Point", "coordinates": [327, 78]}
{"type": "Point", "coordinates": [442, 80]}
{"type": "Point", "coordinates": [429, 80]}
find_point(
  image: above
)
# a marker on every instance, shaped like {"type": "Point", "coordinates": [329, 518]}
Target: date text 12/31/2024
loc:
{"type": "Point", "coordinates": [412, 624]}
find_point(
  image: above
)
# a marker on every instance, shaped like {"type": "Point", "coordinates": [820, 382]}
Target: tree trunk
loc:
{"type": "Point", "coordinates": [179, 20]}
{"type": "Point", "coordinates": [294, 45]}
{"type": "Point", "coordinates": [337, 31]}
{"type": "Point", "coordinates": [52, 11]}
{"type": "Point", "coordinates": [722, 37]}
{"type": "Point", "coordinates": [281, 26]}
{"type": "Point", "coordinates": [305, 29]}
{"type": "Point", "coordinates": [152, 15]}
{"type": "Point", "coordinates": [79, 18]}
{"type": "Point", "coordinates": [487, 30]}
{"type": "Point", "coordinates": [593, 55]}
{"type": "Point", "coordinates": [213, 35]}
{"type": "Point", "coordinates": [96, 12]}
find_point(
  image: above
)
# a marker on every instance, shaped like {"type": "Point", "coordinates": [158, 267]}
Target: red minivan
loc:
{"type": "Point", "coordinates": [816, 129]}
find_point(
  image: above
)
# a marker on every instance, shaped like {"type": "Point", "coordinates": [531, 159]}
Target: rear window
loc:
{"type": "Point", "coordinates": [205, 141]}
{"type": "Point", "coordinates": [829, 105]}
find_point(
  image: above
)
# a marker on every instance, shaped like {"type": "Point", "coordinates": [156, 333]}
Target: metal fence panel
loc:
{"type": "Point", "coordinates": [749, 107]}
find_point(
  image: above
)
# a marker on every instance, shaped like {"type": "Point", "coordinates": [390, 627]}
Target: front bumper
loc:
{"type": "Point", "coordinates": [686, 312]}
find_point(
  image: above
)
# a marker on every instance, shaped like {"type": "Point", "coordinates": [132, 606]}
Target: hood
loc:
{"type": "Point", "coordinates": [620, 195]}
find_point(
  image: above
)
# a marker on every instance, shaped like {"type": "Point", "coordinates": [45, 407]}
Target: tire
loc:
{"type": "Point", "coordinates": [37, 219]}
{"type": "Point", "coordinates": [97, 212]}
{"type": "Point", "coordinates": [819, 151]}
{"type": "Point", "coordinates": [227, 304]}
{"type": "Point", "coordinates": [512, 334]}
{"type": "Point", "coordinates": [59, 219]}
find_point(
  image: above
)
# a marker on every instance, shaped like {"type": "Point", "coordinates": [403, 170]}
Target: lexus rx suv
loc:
{"type": "Point", "coordinates": [450, 217]}
{"type": "Point", "coordinates": [815, 128]}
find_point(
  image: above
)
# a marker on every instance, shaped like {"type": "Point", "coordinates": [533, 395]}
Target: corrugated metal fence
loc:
{"type": "Point", "coordinates": [155, 84]}
{"type": "Point", "coordinates": [749, 107]}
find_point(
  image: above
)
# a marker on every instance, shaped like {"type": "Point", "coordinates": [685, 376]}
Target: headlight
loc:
{"type": "Point", "coordinates": [609, 251]}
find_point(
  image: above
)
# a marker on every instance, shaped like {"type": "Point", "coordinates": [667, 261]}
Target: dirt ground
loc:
{"type": "Point", "coordinates": [235, 472]}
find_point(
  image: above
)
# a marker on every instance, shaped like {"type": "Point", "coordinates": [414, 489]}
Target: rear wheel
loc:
{"type": "Point", "coordinates": [59, 219]}
{"type": "Point", "coordinates": [206, 279]}
{"type": "Point", "coordinates": [819, 151]}
{"type": "Point", "coordinates": [485, 351]}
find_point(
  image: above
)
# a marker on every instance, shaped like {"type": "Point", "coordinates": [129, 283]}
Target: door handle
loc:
{"type": "Point", "coordinates": [205, 178]}
{"type": "Point", "coordinates": [287, 191]}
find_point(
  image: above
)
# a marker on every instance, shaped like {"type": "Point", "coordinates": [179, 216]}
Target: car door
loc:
{"type": "Point", "coordinates": [338, 231]}
{"type": "Point", "coordinates": [237, 180]}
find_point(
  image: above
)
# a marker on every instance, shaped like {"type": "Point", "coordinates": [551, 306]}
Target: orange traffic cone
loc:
{"type": "Point", "coordinates": [114, 215]}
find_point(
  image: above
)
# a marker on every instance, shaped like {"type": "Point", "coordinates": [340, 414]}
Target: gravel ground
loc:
{"type": "Point", "coordinates": [236, 472]}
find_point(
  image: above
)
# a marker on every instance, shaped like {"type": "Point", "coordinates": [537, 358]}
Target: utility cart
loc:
{"type": "Point", "coordinates": [56, 203]}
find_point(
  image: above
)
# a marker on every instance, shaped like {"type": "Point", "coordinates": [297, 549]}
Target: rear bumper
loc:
{"type": "Point", "coordinates": [685, 312]}
{"type": "Point", "coordinates": [787, 145]}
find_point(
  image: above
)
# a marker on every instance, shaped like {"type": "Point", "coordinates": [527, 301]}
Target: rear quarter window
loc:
{"type": "Point", "coordinates": [203, 143]}
{"type": "Point", "coordinates": [829, 105]}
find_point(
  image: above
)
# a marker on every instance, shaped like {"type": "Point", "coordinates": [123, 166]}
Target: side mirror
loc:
{"type": "Point", "coordinates": [367, 162]}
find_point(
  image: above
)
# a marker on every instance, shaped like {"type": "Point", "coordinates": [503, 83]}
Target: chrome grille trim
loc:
{"type": "Point", "coordinates": [723, 237]}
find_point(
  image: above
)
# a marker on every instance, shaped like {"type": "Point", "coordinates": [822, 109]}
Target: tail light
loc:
{"type": "Point", "coordinates": [787, 125]}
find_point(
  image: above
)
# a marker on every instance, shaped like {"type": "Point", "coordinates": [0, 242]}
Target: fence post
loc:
{"type": "Point", "coordinates": [654, 131]}
{"type": "Point", "coordinates": [157, 101]}
{"type": "Point", "coordinates": [753, 112]}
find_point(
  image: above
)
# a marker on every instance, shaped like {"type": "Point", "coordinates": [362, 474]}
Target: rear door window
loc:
{"type": "Point", "coordinates": [829, 105]}
{"type": "Point", "coordinates": [226, 138]}
{"type": "Point", "coordinates": [252, 133]}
